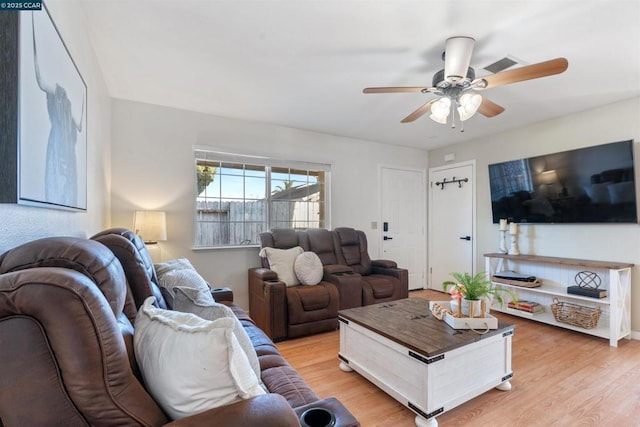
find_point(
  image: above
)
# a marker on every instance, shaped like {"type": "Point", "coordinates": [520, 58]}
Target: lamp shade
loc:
{"type": "Point", "coordinates": [151, 226]}
{"type": "Point", "coordinates": [468, 105]}
{"type": "Point", "coordinates": [548, 177]}
{"type": "Point", "coordinates": [440, 110]}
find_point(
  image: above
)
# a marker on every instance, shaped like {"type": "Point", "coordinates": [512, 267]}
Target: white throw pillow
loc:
{"type": "Point", "coordinates": [622, 192]}
{"type": "Point", "coordinates": [174, 264]}
{"type": "Point", "coordinates": [178, 272]}
{"type": "Point", "coordinates": [201, 304]}
{"type": "Point", "coordinates": [281, 261]}
{"type": "Point", "coordinates": [308, 268]}
{"type": "Point", "coordinates": [599, 193]}
{"type": "Point", "coordinates": [190, 364]}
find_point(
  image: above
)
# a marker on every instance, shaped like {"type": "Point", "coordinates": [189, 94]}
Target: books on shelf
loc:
{"type": "Point", "coordinates": [593, 293]}
{"type": "Point", "coordinates": [526, 306]}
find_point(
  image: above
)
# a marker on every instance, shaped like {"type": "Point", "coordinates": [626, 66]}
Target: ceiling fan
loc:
{"type": "Point", "coordinates": [457, 87]}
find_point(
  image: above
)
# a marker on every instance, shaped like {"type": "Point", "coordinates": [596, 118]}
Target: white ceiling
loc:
{"type": "Point", "coordinates": [304, 63]}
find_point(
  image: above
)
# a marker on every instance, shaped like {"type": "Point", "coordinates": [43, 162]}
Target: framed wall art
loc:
{"type": "Point", "coordinates": [47, 107]}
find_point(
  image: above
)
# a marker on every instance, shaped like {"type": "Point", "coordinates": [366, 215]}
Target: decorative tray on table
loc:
{"type": "Point", "coordinates": [475, 323]}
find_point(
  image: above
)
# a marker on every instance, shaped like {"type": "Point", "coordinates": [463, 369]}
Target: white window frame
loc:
{"type": "Point", "coordinates": [211, 155]}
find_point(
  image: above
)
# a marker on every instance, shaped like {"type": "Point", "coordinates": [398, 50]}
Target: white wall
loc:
{"type": "Point", "coordinates": [19, 224]}
{"type": "Point", "coordinates": [153, 163]}
{"type": "Point", "coordinates": [616, 242]}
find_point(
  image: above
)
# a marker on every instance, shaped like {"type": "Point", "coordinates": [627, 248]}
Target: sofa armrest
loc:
{"type": "Point", "coordinates": [263, 274]}
{"type": "Point", "coordinates": [222, 294]}
{"type": "Point", "coordinates": [335, 269]}
{"type": "Point", "coordinates": [384, 263]}
{"type": "Point", "coordinates": [402, 274]}
{"type": "Point", "coordinates": [348, 282]}
{"type": "Point", "coordinates": [343, 417]}
{"type": "Point", "coordinates": [395, 272]}
{"type": "Point", "coordinates": [268, 302]}
{"type": "Point", "coordinates": [268, 410]}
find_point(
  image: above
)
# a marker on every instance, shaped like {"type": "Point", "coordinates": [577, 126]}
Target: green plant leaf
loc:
{"type": "Point", "coordinates": [476, 287]}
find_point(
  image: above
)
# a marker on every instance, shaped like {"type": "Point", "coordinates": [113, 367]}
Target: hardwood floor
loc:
{"type": "Point", "coordinates": [561, 378]}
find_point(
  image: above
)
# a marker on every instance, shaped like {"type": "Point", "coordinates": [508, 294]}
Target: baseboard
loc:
{"type": "Point", "coordinates": [635, 335]}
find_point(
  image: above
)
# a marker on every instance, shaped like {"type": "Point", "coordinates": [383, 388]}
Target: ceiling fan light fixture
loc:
{"type": "Point", "coordinates": [456, 85]}
{"type": "Point", "coordinates": [468, 105]}
{"type": "Point", "coordinates": [457, 58]}
{"type": "Point", "coordinates": [439, 119]}
{"type": "Point", "coordinates": [440, 110]}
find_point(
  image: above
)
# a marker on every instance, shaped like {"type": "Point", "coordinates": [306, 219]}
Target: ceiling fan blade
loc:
{"type": "Point", "coordinates": [396, 89]}
{"type": "Point", "coordinates": [457, 58]}
{"type": "Point", "coordinates": [489, 108]}
{"type": "Point", "coordinates": [533, 71]}
{"type": "Point", "coordinates": [419, 112]}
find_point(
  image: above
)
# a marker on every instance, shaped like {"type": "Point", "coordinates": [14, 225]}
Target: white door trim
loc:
{"type": "Point", "coordinates": [431, 244]}
{"type": "Point", "coordinates": [423, 207]}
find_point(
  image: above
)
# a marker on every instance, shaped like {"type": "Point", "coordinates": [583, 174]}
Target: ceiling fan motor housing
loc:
{"type": "Point", "coordinates": [457, 58]}
{"type": "Point", "coordinates": [439, 80]}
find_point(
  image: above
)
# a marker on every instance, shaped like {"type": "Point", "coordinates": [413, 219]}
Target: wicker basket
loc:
{"type": "Point", "coordinates": [574, 314]}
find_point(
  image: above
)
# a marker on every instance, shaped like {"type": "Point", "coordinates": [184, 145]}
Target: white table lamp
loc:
{"type": "Point", "coordinates": [151, 226]}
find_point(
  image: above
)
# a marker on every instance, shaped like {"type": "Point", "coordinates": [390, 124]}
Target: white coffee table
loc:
{"type": "Point", "coordinates": [420, 361]}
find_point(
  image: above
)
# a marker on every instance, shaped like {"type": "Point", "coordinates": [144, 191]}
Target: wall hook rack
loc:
{"type": "Point", "coordinates": [454, 180]}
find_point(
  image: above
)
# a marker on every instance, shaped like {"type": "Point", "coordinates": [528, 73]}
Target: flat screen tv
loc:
{"type": "Point", "coordinates": [588, 185]}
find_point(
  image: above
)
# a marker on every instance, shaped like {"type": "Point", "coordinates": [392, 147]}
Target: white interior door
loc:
{"type": "Point", "coordinates": [451, 222]}
{"type": "Point", "coordinates": [403, 221]}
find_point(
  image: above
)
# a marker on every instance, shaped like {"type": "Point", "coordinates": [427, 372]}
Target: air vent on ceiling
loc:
{"type": "Point", "coordinates": [499, 65]}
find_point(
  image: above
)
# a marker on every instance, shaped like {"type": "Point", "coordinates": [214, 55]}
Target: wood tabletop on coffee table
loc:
{"type": "Point", "coordinates": [410, 323]}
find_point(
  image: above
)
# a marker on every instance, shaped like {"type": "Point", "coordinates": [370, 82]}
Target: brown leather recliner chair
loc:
{"type": "Point", "coordinates": [292, 311]}
{"type": "Point", "coordinates": [382, 280]}
{"type": "Point", "coordinates": [136, 263]}
{"type": "Point", "coordinates": [67, 345]}
{"type": "Point", "coordinates": [322, 242]}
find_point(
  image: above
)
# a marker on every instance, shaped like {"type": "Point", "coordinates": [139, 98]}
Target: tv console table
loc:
{"type": "Point", "coordinates": [558, 273]}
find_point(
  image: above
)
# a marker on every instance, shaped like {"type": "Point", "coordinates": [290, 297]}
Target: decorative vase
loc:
{"type": "Point", "coordinates": [502, 247]}
{"type": "Point", "coordinates": [472, 308]}
{"type": "Point", "coordinates": [513, 232]}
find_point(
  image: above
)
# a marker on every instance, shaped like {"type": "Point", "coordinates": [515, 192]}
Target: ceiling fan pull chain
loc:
{"type": "Point", "coordinates": [453, 114]}
{"type": "Point", "coordinates": [455, 111]}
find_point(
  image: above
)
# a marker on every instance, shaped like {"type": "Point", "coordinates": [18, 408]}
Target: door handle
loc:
{"type": "Point", "coordinates": [465, 238]}
{"type": "Point", "coordinates": [387, 238]}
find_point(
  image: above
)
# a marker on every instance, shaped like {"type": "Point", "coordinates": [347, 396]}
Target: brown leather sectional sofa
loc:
{"type": "Point", "coordinates": [350, 279]}
{"type": "Point", "coordinates": [67, 306]}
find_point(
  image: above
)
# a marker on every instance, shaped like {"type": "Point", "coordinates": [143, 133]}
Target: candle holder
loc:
{"type": "Point", "coordinates": [513, 248]}
{"type": "Point", "coordinates": [503, 242]}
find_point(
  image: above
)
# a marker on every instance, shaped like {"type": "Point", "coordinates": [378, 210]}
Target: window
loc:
{"type": "Point", "coordinates": [239, 197]}
{"type": "Point", "coordinates": [509, 177]}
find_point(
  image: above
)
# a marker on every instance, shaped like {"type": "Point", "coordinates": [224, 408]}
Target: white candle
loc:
{"type": "Point", "coordinates": [513, 228]}
{"type": "Point", "coordinates": [503, 224]}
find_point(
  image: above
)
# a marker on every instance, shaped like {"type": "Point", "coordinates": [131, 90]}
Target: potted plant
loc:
{"type": "Point", "coordinates": [470, 292]}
